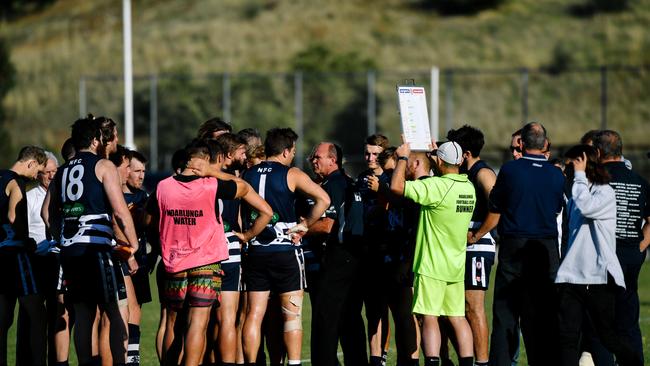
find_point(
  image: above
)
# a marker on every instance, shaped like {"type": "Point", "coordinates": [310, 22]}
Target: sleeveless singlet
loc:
{"type": "Point", "coordinates": [269, 179]}
{"type": "Point", "coordinates": [86, 210]}
{"type": "Point", "coordinates": [11, 236]}
{"type": "Point", "coordinates": [486, 243]}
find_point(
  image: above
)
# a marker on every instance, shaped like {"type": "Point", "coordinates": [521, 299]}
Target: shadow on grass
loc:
{"type": "Point", "coordinates": [592, 7]}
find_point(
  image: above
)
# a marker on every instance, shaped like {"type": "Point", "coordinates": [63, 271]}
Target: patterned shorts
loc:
{"type": "Point", "coordinates": [195, 287]}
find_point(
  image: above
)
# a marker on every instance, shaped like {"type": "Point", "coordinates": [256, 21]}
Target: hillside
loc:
{"type": "Point", "coordinates": [54, 47]}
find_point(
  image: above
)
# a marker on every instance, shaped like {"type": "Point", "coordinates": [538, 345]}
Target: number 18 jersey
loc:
{"type": "Point", "coordinates": [85, 206]}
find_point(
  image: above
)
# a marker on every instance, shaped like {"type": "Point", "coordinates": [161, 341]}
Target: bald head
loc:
{"type": "Point", "coordinates": [325, 159]}
{"type": "Point", "coordinates": [418, 166]}
{"type": "Point", "coordinates": [533, 136]}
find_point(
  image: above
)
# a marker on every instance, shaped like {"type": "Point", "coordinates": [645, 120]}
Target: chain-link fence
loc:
{"type": "Point", "coordinates": [346, 107]}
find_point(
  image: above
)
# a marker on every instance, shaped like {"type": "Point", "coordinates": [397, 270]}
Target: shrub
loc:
{"type": "Point", "coordinates": [464, 7]}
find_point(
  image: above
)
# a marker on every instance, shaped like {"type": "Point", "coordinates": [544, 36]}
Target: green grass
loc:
{"type": "Point", "coordinates": [150, 324]}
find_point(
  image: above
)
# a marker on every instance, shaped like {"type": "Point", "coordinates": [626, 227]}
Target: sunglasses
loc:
{"type": "Point", "coordinates": [515, 148]}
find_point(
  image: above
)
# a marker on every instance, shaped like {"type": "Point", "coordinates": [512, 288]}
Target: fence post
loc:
{"type": "Point", "coordinates": [524, 95]}
{"type": "Point", "coordinates": [603, 97]}
{"type": "Point", "coordinates": [83, 111]}
{"type": "Point", "coordinates": [372, 104]}
{"type": "Point", "coordinates": [435, 90]}
{"type": "Point", "coordinates": [449, 99]}
{"type": "Point", "coordinates": [297, 81]}
{"type": "Point", "coordinates": [153, 122]}
{"type": "Point", "coordinates": [225, 84]}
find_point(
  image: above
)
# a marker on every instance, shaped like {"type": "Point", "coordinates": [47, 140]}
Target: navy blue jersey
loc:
{"type": "Point", "coordinates": [374, 205]}
{"type": "Point", "coordinates": [375, 214]}
{"type": "Point", "coordinates": [86, 210]}
{"type": "Point", "coordinates": [229, 210]}
{"type": "Point", "coordinates": [269, 179]}
{"type": "Point", "coordinates": [136, 202]}
{"type": "Point", "coordinates": [528, 194]}
{"type": "Point", "coordinates": [481, 207]}
{"type": "Point", "coordinates": [12, 235]}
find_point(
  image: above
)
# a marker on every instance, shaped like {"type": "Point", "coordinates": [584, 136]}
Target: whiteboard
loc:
{"type": "Point", "coordinates": [415, 119]}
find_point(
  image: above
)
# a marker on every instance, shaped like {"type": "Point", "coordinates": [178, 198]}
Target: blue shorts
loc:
{"type": "Point", "coordinates": [232, 279]}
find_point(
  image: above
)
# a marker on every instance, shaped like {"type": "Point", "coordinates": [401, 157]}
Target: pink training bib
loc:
{"type": "Point", "coordinates": [191, 231]}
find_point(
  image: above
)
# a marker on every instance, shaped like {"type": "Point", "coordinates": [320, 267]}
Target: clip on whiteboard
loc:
{"type": "Point", "coordinates": [414, 117]}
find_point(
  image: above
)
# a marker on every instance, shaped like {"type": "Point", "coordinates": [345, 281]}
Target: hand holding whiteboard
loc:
{"type": "Point", "coordinates": [415, 119]}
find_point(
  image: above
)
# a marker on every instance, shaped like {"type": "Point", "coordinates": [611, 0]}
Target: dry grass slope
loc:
{"type": "Point", "coordinates": [54, 48]}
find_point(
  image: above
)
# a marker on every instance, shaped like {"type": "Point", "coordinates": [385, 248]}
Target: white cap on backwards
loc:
{"type": "Point", "coordinates": [451, 153]}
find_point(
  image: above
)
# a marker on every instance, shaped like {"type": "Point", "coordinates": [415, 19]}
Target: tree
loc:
{"type": "Point", "coordinates": [15, 8]}
{"type": "Point", "coordinates": [462, 7]}
{"type": "Point", "coordinates": [334, 95]}
{"type": "Point", "coordinates": [7, 81]}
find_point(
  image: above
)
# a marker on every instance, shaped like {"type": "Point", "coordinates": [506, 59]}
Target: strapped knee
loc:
{"type": "Point", "coordinates": [296, 323]}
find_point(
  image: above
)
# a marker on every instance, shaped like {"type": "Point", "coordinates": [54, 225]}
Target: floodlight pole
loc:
{"type": "Point", "coordinates": [128, 75]}
{"type": "Point", "coordinates": [435, 94]}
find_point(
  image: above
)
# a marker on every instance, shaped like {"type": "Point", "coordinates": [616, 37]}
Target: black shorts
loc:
{"type": "Point", "coordinates": [278, 272]}
{"type": "Point", "coordinates": [17, 273]}
{"type": "Point", "coordinates": [141, 286]}
{"type": "Point", "coordinates": [478, 266]}
{"type": "Point", "coordinates": [93, 277]}
{"type": "Point", "coordinates": [140, 280]}
{"type": "Point", "coordinates": [49, 276]}
{"type": "Point", "coordinates": [232, 277]}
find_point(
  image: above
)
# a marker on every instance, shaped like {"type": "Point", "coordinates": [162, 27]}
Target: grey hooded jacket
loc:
{"type": "Point", "coordinates": [591, 252]}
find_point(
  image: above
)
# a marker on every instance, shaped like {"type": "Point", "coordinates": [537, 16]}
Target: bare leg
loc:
{"type": "Point", "coordinates": [227, 319]}
{"type": "Point", "coordinates": [418, 336]}
{"type": "Point", "coordinates": [291, 303]}
{"type": "Point", "coordinates": [211, 347]}
{"type": "Point", "coordinates": [85, 314]}
{"type": "Point", "coordinates": [273, 331]}
{"type": "Point", "coordinates": [105, 340]}
{"type": "Point", "coordinates": [463, 335]}
{"type": "Point", "coordinates": [240, 327]}
{"type": "Point", "coordinates": [374, 339]}
{"type": "Point", "coordinates": [475, 313]}
{"type": "Point", "coordinates": [160, 334]}
{"type": "Point", "coordinates": [172, 349]}
{"type": "Point", "coordinates": [118, 335]}
{"type": "Point", "coordinates": [430, 336]}
{"type": "Point", "coordinates": [257, 302]}
{"type": "Point", "coordinates": [95, 332]}
{"type": "Point", "coordinates": [106, 334]}
{"type": "Point", "coordinates": [61, 329]}
{"type": "Point", "coordinates": [197, 325]}
{"type": "Point", "coordinates": [134, 313]}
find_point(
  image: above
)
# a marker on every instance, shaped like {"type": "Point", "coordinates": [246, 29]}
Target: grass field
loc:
{"type": "Point", "coordinates": [150, 323]}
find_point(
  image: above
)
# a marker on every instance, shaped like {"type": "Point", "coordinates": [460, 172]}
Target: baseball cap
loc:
{"type": "Point", "coordinates": [451, 153]}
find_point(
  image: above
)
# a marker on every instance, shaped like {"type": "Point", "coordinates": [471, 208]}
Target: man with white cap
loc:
{"type": "Point", "coordinates": [446, 206]}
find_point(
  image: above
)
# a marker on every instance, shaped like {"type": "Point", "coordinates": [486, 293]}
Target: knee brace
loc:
{"type": "Point", "coordinates": [293, 324]}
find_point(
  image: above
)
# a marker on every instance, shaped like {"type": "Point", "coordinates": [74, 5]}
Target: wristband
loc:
{"type": "Point", "coordinates": [403, 158]}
